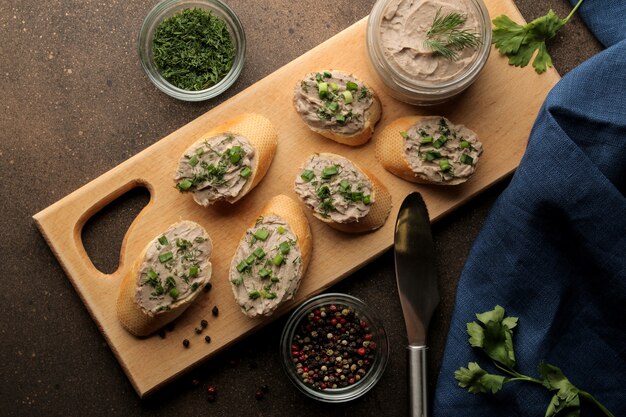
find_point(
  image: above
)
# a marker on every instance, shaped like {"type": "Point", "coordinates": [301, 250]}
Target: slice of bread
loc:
{"type": "Point", "coordinates": [271, 257]}
{"type": "Point", "coordinates": [165, 279]}
{"type": "Point", "coordinates": [356, 201]}
{"type": "Point", "coordinates": [405, 145]}
{"type": "Point", "coordinates": [338, 106]}
{"type": "Point", "coordinates": [248, 130]}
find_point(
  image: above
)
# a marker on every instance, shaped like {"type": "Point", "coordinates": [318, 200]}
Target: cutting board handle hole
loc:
{"type": "Point", "coordinates": [102, 235]}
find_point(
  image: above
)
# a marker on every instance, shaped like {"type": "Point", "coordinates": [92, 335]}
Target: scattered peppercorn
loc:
{"type": "Point", "coordinates": [259, 394]}
{"type": "Point", "coordinates": [332, 347]}
{"type": "Point", "coordinates": [215, 311]}
{"type": "Point", "coordinates": [186, 343]}
{"type": "Point", "coordinates": [207, 287]}
{"type": "Point", "coordinates": [211, 390]}
{"type": "Point", "coordinates": [207, 339]}
{"type": "Point", "coordinates": [198, 330]}
{"type": "Point", "coordinates": [204, 324]}
{"type": "Point", "coordinates": [170, 326]}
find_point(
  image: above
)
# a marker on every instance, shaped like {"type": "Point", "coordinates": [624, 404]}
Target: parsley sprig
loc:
{"type": "Point", "coordinates": [519, 43]}
{"type": "Point", "coordinates": [445, 38]}
{"type": "Point", "coordinates": [493, 334]}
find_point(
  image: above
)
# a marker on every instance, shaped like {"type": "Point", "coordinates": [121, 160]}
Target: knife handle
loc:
{"type": "Point", "coordinates": [418, 396]}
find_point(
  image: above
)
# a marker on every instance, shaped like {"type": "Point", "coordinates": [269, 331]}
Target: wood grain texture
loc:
{"type": "Point", "coordinates": [500, 107]}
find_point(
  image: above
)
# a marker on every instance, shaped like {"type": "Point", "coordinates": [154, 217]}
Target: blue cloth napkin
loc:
{"type": "Point", "coordinates": [553, 249]}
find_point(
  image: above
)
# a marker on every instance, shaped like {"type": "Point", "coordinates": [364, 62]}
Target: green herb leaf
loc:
{"type": "Point", "coordinates": [519, 43]}
{"type": "Point", "coordinates": [446, 38]}
{"type": "Point", "coordinates": [193, 49]}
{"type": "Point", "coordinates": [493, 334]}
{"type": "Point", "coordinates": [566, 402]}
{"type": "Point", "coordinates": [477, 380]}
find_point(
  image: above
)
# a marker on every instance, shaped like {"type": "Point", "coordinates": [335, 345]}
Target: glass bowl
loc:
{"type": "Point", "coordinates": [316, 358]}
{"type": "Point", "coordinates": [168, 8]}
{"type": "Point", "coordinates": [408, 87]}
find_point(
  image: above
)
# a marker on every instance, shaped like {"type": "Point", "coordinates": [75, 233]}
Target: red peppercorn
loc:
{"type": "Point", "coordinates": [332, 308]}
{"type": "Point", "coordinates": [368, 336]}
{"type": "Point", "coordinates": [333, 322]}
{"type": "Point", "coordinates": [259, 394]}
{"type": "Point", "coordinates": [211, 390]}
{"type": "Point", "coordinates": [361, 351]}
{"type": "Point", "coordinates": [342, 320]}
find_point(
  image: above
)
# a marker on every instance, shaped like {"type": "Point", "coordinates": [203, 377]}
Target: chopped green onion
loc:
{"type": "Point", "coordinates": [152, 274]}
{"type": "Point", "coordinates": [444, 165]}
{"type": "Point", "coordinates": [367, 199]}
{"type": "Point", "coordinates": [250, 259]}
{"type": "Point", "coordinates": [235, 154]}
{"type": "Point", "coordinates": [307, 175]}
{"type": "Point", "coordinates": [254, 294]}
{"type": "Point", "coordinates": [467, 160]}
{"type": "Point", "coordinates": [437, 144]}
{"type": "Point", "coordinates": [344, 185]}
{"type": "Point", "coordinates": [184, 185]}
{"type": "Point", "coordinates": [318, 77]}
{"type": "Point", "coordinates": [347, 96]}
{"type": "Point", "coordinates": [324, 192]}
{"type": "Point", "coordinates": [357, 197]}
{"type": "Point", "coordinates": [159, 289]}
{"type": "Point", "coordinates": [246, 172]}
{"type": "Point", "coordinates": [340, 118]}
{"type": "Point", "coordinates": [352, 86]}
{"type": "Point", "coordinates": [464, 144]}
{"type": "Point", "coordinates": [193, 271]}
{"type": "Point", "coordinates": [261, 234]}
{"type": "Point", "coordinates": [242, 266]}
{"type": "Point", "coordinates": [275, 279]}
{"type": "Point", "coordinates": [259, 253]}
{"type": "Point", "coordinates": [284, 247]}
{"type": "Point", "coordinates": [404, 134]}
{"type": "Point", "coordinates": [264, 273]}
{"type": "Point", "coordinates": [237, 281]}
{"type": "Point", "coordinates": [194, 286]}
{"type": "Point", "coordinates": [329, 171]}
{"type": "Point", "coordinates": [431, 155]}
{"type": "Point", "coordinates": [333, 86]}
{"type": "Point", "coordinates": [333, 106]}
{"type": "Point", "coordinates": [322, 89]}
{"type": "Point", "coordinates": [164, 257]}
{"type": "Point", "coordinates": [278, 260]}
{"type": "Point", "coordinates": [281, 230]}
{"type": "Point", "coordinates": [194, 161]}
{"type": "Point", "coordinates": [269, 295]}
{"type": "Point", "coordinates": [426, 139]}
{"type": "Point", "coordinates": [163, 240]}
{"type": "Point", "coordinates": [327, 74]}
{"type": "Point", "coordinates": [170, 281]}
{"type": "Point", "coordinates": [174, 293]}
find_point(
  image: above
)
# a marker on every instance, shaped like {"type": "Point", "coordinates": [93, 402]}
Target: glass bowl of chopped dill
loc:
{"type": "Point", "coordinates": [192, 50]}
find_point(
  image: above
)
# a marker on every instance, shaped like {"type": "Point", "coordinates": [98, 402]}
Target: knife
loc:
{"type": "Point", "coordinates": [416, 274]}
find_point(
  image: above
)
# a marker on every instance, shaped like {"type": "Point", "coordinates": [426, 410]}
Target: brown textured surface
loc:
{"type": "Point", "coordinates": [76, 104]}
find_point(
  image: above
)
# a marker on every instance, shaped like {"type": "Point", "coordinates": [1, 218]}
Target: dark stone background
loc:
{"type": "Point", "coordinates": [76, 103]}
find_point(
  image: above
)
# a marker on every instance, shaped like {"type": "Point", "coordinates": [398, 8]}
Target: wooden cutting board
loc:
{"type": "Point", "coordinates": [501, 107]}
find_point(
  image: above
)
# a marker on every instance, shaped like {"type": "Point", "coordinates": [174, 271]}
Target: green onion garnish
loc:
{"type": "Point", "coordinates": [281, 230]}
{"type": "Point", "coordinates": [164, 257]}
{"type": "Point", "coordinates": [352, 86]}
{"type": "Point", "coordinates": [275, 279]}
{"type": "Point", "coordinates": [307, 175]}
{"type": "Point", "coordinates": [333, 106]}
{"type": "Point", "coordinates": [194, 161]}
{"type": "Point", "coordinates": [464, 144]}
{"type": "Point", "coordinates": [340, 118]}
{"type": "Point", "coordinates": [250, 259]}
{"type": "Point", "coordinates": [405, 135]}
{"type": "Point", "coordinates": [329, 171]}
{"type": "Point", "coordinates": [184, 185]}
{"type": "Point", "coordinates": [246, 172]}
{"type": "Point", "coordinates": [152, 274]}
{"type": "Point", "coordinates": [278, 260]}
{"type": "Point", "coordinates": [269, 295]}
{"type": "Point", "coordinates": [426, 139]}
{"type": "Point", "coordinates": [174, 293]}
{"type": "Point", "coordinates": [467, 160]}
{"type": "Point", "coordinates": [254, 294]}
{"type": "Point", "coordinates": [237, 281]}
{"type": "Point", "coordinates": [333, 86]}
{"type": "Point", "coordinates": [264, 273]}
{"type": "Point", "coordinates": [259, 253]}
{"type": "Point", "coordinates": [347, 96]}
{"type": "Point", "coordinates": [367, 199]}
{"type": "Point", "coordinates": [444, 165]}
{"type": "Point", "coordinates": [431, 155]}
{"type": "Point", "coordinates": [242, 266]}
{"type": "Point", "coordinates": [322, 89]}
{"type": "Point", "coordinates": [261, 234]}
{"type": "Point", "coordinates": [284, 247]}
{"type": "Point", "coordinates": [235, 154]}
{"type": "Point", "coordinates": [344, 185]}
{"type": "Point", "coordinates": [193, 271]}
{"type": "Point", "coordinates": [327, 74]}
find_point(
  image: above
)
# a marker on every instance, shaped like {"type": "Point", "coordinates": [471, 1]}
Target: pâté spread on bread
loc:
{"type": "Point", "coordinates": [165, 279]}
{"type": "Point", "coordinates": [334, 188]}
{"type": "Point", "coordinates": [267, 266]}
{"type": "Point", "coordinates": [338, 106]}
{"type": "Point", "coordinates": [175, 266]}
{"type": "Point", "coordinates": [216, 168]}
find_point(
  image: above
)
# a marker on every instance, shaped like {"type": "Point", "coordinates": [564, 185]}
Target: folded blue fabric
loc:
{"type": "Point", "coordinates": [553, 249]}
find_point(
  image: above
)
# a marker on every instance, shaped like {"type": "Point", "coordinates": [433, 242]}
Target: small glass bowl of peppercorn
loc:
{"type": "Point", "coordinates": [333, 347]}
{"type": "Point", "coordinates": [192, 50]}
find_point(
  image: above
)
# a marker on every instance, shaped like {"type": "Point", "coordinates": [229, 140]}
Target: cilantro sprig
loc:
{"type": "Point", "coordinates": [519, 43]}
{"type": "Point", "coordinates": [493, 334]}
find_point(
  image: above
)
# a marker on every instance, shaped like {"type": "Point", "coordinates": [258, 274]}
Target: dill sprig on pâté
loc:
{"type": "Point", "coordinates": [445, 38]}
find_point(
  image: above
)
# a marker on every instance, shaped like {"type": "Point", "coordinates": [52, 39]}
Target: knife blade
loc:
{"type": "Point", "coordinates": [416, 276]}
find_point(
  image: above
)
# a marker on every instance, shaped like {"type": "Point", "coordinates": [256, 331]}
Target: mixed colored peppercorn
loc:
{"type": "Point", "coordinates": [332, 347]}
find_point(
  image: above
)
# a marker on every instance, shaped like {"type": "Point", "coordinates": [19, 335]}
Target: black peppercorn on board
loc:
{"type": "Point", "coordinates": [500, 107]}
